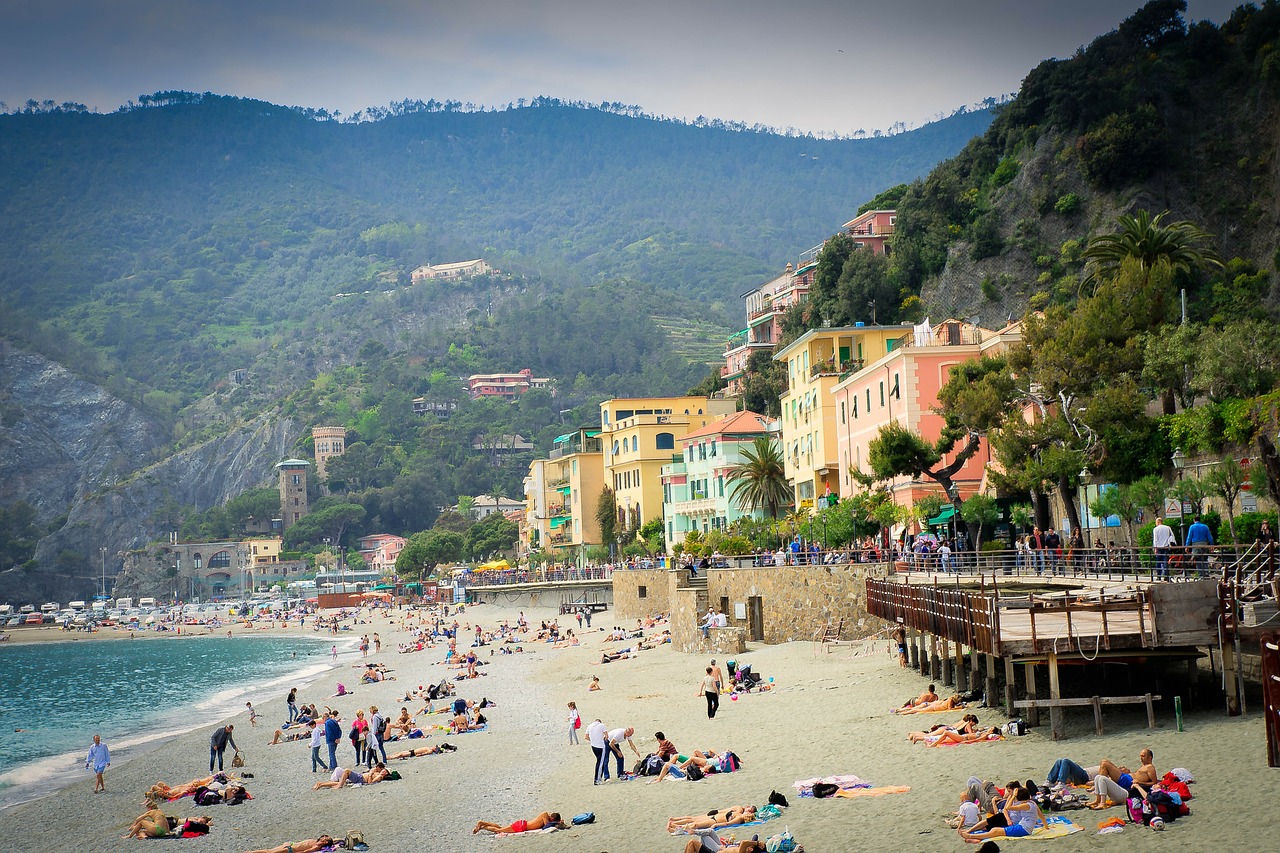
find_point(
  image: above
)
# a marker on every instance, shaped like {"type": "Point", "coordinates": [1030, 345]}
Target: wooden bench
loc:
{"type": "Point", "coordinates": [1096, 702]}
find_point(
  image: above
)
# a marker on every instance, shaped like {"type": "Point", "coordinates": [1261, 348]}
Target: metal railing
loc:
{"type": "Point", "coordinates": [550, 574]}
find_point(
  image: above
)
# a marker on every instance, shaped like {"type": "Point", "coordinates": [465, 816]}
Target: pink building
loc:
{"type": "Point", "coordinates": [903, 387]}
{"type": "Point", "coordinates": [873, 230]}
{"type": "Point", "coordinates": [765, 307]}
{"type": "Point", "coordinates": [380, 550]}
{"type": "Point", "coordinates": [507, 385]}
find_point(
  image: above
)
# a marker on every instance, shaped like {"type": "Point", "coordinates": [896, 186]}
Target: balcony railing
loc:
{"type": "Point", "coordinates": [869, 230]}
{"type": "Point", "coordinates": [829, 367]}
{"type": "Point", "coordinates": [947, 335]}
{"type": "Point", "coordinates": [694, 506]}
{"type": "Point", "coordinates": [590, 445]}
{"type": "Point", "coordinates": [555, 484]}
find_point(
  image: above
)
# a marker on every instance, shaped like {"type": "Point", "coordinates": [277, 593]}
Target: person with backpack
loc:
{"type": "Point", "coordinates": [377, 733]}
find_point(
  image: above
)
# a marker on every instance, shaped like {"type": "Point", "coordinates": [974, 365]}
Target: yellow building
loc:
{"type": "Point", "coordinates": [561, 496]}
{"type": "Point", "coordinates": [639, 436]}
{"type": "Point", "coordinates": [816, 362]}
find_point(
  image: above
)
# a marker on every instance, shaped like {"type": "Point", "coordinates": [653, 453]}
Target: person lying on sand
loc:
{"type": "Point", "coordinates": [951, 703]}
{"type": "Point", "coordinates": [967, 725]}
{"type": "Point", "coordinates": [416, 752]}
{"type": "Point", "coordinates": [309, 845]}
{"type": "Point", "coordinates": [969, 737]}
{"type": "Point", "coordinates": [281, 737]}
{"type": "Point", "coordinates": [541, 821]}
{"type": "Point", "coordinates": [151, 824]}
{"type": "Point", "coordinates": [679, 765]}
{"type": "Point", "coordinates": [731, 816]}
{"type": "Point", "coordinates": [929, 695]}
{"type": "Point", "coordinates": [160, 790]}
{"type": "Point", "coordinates": [341, 777]}
{"type": "Point", "coordinates": [708, 841]}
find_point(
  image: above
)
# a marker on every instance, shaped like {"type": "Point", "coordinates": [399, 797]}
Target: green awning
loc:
{"type": "Point", "coordinates": [559, 522]}
{"type": "Point", "coordinates": [565, 437]}
{"type": "Point", "coordinates": [383, 587]}
{"type": "Point", "coordinates": [944, 515]}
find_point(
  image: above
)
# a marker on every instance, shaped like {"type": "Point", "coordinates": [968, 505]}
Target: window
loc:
{"type": "Point", "coordinates": [642, 591]}
{"type": "Point", "coordinates": [689, 453]}
{"type": "Point", "coordinates": [635, 443]}
{"type": "Point", "coordinates": [893, 220]}
{"type": "Point", "coordinates": [220, 560]}
{"type": "Point", "coordinates": [713, 449]}
{"type": "Point", "coordinates": [665, 441]}
{"type": "Point", "coordinates": [842, 417]}
{"type": "Point", "coordinates": [615, 448]}
{"type": "Point", "coordinates": [868, 401]}
{"type": "Point", "coordinates": [702, 452]}
{"type": "Point", "coordinates": [295, 479]}
{"type": "Point", "coordinates": [853, 400]}
{"type": "Point", "coordinates": [720, 485]}
{"type": "Point", "coordinates": [882, 395]}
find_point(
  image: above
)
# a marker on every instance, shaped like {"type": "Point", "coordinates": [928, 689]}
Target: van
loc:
{"type": "Point", "coordinates": [145, 603]}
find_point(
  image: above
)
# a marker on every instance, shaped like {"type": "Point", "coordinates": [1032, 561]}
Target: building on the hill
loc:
{"type": "Point", "coordinates": [815, 362]}
{"type": "Point", "coordinates": [440, 408]}
{"type": "Point", "coordinates": [506, 385]}
{"type": "Point", "coordinates": [461, 269]}
{"type": "Point", "coordinates": [765, 306]}
{"type": "Point", "coordinates": [293, 491]}
{"type": "Point", "coordinates": [483, 506]}
{"type": "Point", "coordinates": [330, 441]}
{"type": "Point", "coordinates": [697, 493]}
{"type": "Point", "coordinates": [638, 437]}
{"type": "Point", "coordinates": [873, 230]}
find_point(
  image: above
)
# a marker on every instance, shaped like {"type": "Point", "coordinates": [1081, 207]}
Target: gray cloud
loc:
{"type": "Point", "coordinates": [817, 65]}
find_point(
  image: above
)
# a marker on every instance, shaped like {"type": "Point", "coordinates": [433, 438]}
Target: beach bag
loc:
{"type": "Point", "coordinates": [1136, 814]}
{"type": "Point", "coordinates": [783, 843]}
{"type": "Point", "coordinates": [584, 818]}
{"type": "Point", "coordinates": [1015, 728]}
{"type": "Point", "coordinates": [822, 790]}
{"type": "Point", "coordinates": [206, 797]}
{"type": "Point", "coordinates": [237, 760]}
{"type": "Point", "coordinates": [577, 722]}
{"type": "Point", "coordinates": [776, 799]}
{"type": "Point", "coordinates": [694, 773]}
{"type": "Point", "coordinates": [355, 840]}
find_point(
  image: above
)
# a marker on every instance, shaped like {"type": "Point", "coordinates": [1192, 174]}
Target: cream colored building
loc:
{"type": "Point", "coordinates": [816, 362]}
{"type": "Point", "coordinates": [639, 435]}
{"type": "Point", "coordinates": [461, 269]}
{"type": "Point", "coordinates": [561, 497]}
{"type": "Point", "coordinates": [330, 442]}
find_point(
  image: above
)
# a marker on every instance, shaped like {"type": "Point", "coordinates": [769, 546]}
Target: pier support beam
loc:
{"type": "Point", "coordinates": [1033, 714]}
{"type": "Point", "coordinates": [924, 657]}
{"type": "Point", "coordinates": [947, 677]}
{"type": "Point", "coordinates": [1055, 692]}
{"type": "Point", "coordinates": [1229, 664]}
{"type": "Point", "coordinates": [962, 678]}
{"type": "Point", "coordinates": [935, 665]}
{"type": "Point", "coordinates": [1010, 688]}
{"type": "Point", "coordinates": [990, 687]}
{"type": "Point", "coordinates": [913, 647]}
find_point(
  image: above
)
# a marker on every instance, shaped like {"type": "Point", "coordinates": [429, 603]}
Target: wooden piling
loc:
{"type": "Point", "coordinates": [1033, 714]}
{"type": "Point", "coordinates": [1010, 687]}
{"type": "Point", "coordinates": [1055, 692]}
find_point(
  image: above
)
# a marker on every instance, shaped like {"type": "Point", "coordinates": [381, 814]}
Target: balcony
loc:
{"type": "Point", "coordinates": [868, 229]}
{"type": "Point", "coordinates": [697, 506]}
{"type": "Point", "coordinates": [555, 484]}
{"type": "Point", "coordinates": [829, 367]}
{"type": "Point", "coordinates": [946, 335]}
{"type": "Point", "coordinates": [569, 448]}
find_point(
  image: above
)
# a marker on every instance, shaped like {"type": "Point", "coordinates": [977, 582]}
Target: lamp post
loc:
{"type": "Point", "coordinates": [1085, 474]}
{"type": "Point", "coordinates": [104, 574]}
{"type": "Point", "coordinates": [1179, 460]}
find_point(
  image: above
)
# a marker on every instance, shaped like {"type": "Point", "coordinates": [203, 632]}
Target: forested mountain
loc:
{"type": "Point", "coordinates": [211, 270]}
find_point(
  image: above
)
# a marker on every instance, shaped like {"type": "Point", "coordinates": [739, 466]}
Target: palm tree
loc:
{"type": "Point", "coordinates": [760, 479]}
{"type": "Point", "coordinates": [1146, 240]}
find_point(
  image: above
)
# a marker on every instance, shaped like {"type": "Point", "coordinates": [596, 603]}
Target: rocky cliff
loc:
{"type": "Point", "coordinates": [69, 447]}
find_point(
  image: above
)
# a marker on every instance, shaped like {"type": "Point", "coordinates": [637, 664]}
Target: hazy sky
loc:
{"type": "Point", "coordinates": [816, 65]}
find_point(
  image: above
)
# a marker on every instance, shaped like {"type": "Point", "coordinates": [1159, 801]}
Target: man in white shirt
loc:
{"type": "Point", "coordinates": [708, 622]}
{"type": "Point", "coordinates": [1162, 539]}
{"type": "Point", "coordinates": [598, 736]}
{"type": "Point", "coordinates": [616, 737]}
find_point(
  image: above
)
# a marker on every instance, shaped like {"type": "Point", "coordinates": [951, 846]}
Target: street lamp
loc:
{"type": "Point", "coordinates": [1179, 460]}
{"type": "Point", "coordinates": [104, 573]}
{"type": "Point", "coordinates": [1085, 474]}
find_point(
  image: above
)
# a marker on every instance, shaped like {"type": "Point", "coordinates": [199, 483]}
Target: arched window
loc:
{"type": "Point", "coordinates": [665, 441]}
{"type": "Point", "coordinates": [615, 448]}
{"type": "Point", "coordinates": [635, 444]}
{"type": "Point", "coordinates": [220, 560]}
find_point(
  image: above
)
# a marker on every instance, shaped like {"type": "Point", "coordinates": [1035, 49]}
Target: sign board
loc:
{"type": "Point", "coordinates": [1172, 508]}
{"type": "Point", "coordinates": [1187, 508]}
{"type": "Point", "coordinates": [1248, 502]}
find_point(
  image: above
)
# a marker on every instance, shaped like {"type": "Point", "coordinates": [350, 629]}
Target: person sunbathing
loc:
{"type": "Point", "coordinates": [731, 816]}
{"type": "Point", "coordinates": [967, 737]}
{"type": "Point", "coordinates": [153, 823]}
{"type": "Point", "coordinates": [416, 752]}
{"type": "Point", "coordinates": [281, 737]}
{"type": "Point", "coordinates": [402, 724]}
{"type": "Point", "coordinates": [160, 790]}
{"type": "Point", "coordinates": [341, 778]}
{"type": "Point", "coordinates": [967, 725]}
{"type": "Point", "coordinates": [540, 822]}
{"type": "Point", "coordinates": [309, 845]}
{"type": "Point", "coordinates": [951, 703]}
{"type": "Point", "coordinates": [929, 695]}
{"type": "Point", "coordinates": [707, 841]}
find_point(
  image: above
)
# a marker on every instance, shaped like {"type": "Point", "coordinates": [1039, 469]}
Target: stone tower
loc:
{"type": "Point", "coordinates": [293, 490]}
{"type": "Point", "coordinates": [330, 441]}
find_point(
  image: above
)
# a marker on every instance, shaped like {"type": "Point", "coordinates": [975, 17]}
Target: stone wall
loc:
{"type": "Point", "coordinates": [659, 586]}
{"type": "Point", "coordinates": [798, 601]}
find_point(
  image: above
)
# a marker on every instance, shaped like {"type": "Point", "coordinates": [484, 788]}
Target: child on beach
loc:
{"type": "Point", "coordinates": [575, 723]}
{"type": "Point", "coordinates": [253, 715]}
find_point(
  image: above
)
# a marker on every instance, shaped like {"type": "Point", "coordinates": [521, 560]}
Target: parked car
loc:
{"type": "Point", "coordinates": [49, 619]}
{"type": "Point", "coordinates": [14, 621]}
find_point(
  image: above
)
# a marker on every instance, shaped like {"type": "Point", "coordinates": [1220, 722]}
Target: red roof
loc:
{"type": "Point", "coordinates": [740, 423]}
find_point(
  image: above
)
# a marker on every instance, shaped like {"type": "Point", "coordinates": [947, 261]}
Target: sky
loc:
{"type": "Point", "coordinates": [820, 66]}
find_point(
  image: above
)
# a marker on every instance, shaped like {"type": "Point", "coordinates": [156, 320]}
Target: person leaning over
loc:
{"type": "Point", "coordinates": [218, 744]}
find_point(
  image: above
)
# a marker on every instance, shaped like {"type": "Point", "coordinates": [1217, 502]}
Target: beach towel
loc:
{"type": "Point", "coordinates": [841, 781]}
{"type": "Point", "coordinates": [542, 831]}
{"type": "Point", "coordinates": [850, 793]}
{"type": "Point", "coordinates": [1055, 826]}
{"type": "Point", "coordinates": [763, 815]}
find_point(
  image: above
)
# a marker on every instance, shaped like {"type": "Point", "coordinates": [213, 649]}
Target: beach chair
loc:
{"type": "Point", "coordinates": [829, 635]}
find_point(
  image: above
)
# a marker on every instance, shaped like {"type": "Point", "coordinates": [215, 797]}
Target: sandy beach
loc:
{"type": "Point", "coordinates": [827, 715]}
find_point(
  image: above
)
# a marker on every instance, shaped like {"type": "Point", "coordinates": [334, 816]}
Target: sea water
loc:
{"type": "Point", "coordinates": [133, 693]}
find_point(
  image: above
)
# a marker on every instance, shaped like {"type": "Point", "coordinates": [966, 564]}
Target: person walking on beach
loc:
{"type": "Point", "coordinates": [334, 652]}
{"type": "Point", "coordinates": [292, 702]}
{"type": "Point", "coordinates": [719, 675]}
{"type": "Point", "coordinates": [317, 741]}
{"type": "Point", "coordinates": [218, 744]}
{"type": "Point", "coordinates": [711, 689]}
{"type": "Point", "coordinates": [575, 723]}
{"type": "Point", "coordinates": [253, 715]}
{"type": "Point", "coordinates": [99, 759]}
{"type": "Point", "coordinates": [332, 734]}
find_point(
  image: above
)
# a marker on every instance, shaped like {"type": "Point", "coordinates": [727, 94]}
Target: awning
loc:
{"type": "Point", "coordinates": [384, 586]}
{"type": "Point", "coordinates": [559, 522]}
{"type": "Point", "coordinates": [565, 437]}
{"type": "Point", "coordinates": [944, 515]}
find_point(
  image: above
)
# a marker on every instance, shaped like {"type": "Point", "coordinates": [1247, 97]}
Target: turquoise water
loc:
{"type": "Point", "coordinates": [133, 692]}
